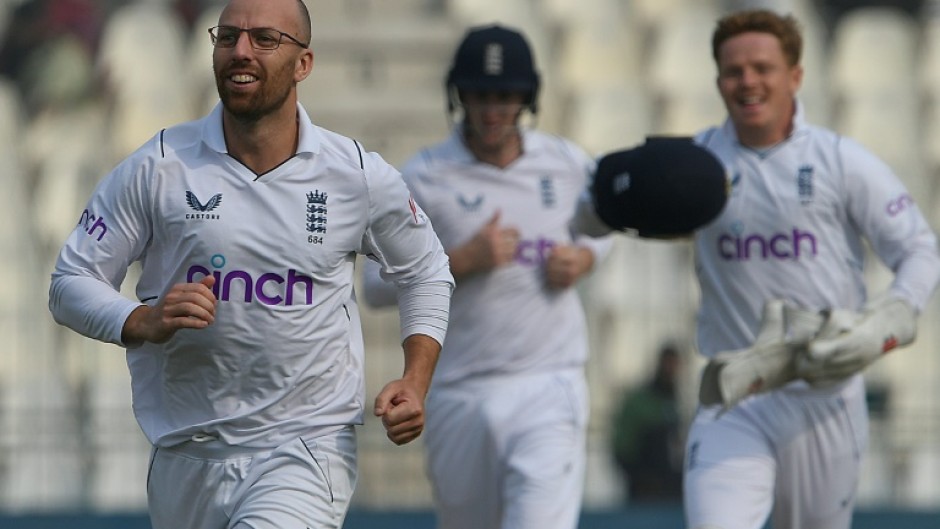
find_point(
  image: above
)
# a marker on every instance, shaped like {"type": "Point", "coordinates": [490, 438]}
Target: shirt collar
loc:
{"type": "Point", "coordinates": [308, 142]}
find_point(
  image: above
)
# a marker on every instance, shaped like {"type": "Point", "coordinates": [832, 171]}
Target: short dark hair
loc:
{"type": "Point", "coordinates": [784, 27]}
{"type": "Point", "coordinates": [305, 24]}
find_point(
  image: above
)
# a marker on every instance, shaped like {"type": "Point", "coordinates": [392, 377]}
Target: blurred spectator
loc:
{"type": "Point", "coordinates": [143, 94]}
{"type": "Point", "coordinates": [83, 19]}
{"type": "Point", "coordinates": [58, 73]}
{"type": "Point", "coordinates": [189, 11]}
{"type": "Point", "coordinates": [647, 440]}
{"type": "Point", "coordinates": [48, 49]}
{"type": "Point", "coordinates": [23, 33]}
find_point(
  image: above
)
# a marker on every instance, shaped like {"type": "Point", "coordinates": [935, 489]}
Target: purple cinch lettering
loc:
{"type": "Point", "coordinates": [259, 289]}
{"type": "Point", "coordinates": [782, 246]}
{"type": "Point", "coordinates": [99, 224]}
{"type": "Point", "coordinates": [745, 251]}
{"type": "Point", "coordinates": [233, 275]}
{"type": "Point", "coordinates": [798, 238]}
{"type": "Point", "coordinates": [225, 285]}
{"type": "Point", "coordinates": [533, 253]}
{"type": "Point", "coordinates": [293, 278]}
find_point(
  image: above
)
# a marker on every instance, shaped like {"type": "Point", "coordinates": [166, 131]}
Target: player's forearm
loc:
{"type": "Point", "coordinates": [89, 306]}
{"type": "Point", "coordinates": [421, 353]}
{"type": "Point", "coordinates": [918, 275]}
{"type": "Point", "coordinates": [135, 330]}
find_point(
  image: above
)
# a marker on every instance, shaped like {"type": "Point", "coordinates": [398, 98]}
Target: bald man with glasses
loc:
{"type": "Point", "coordinates": [244, 344]}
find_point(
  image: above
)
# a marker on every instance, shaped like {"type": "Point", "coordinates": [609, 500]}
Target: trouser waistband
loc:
{"type": "Point", "coordinates": [209, 447]}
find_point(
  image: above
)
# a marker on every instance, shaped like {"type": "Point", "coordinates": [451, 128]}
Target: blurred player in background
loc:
{"type": "Point", "coordinates": [508, 411]}
{"type": "Point", "coordinates": [783, 424]}
{"type": "Point", "coordinates": [245, 350]}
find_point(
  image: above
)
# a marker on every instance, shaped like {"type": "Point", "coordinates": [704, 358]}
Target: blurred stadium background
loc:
{"type": "Point", "coordinates": [84, 82]}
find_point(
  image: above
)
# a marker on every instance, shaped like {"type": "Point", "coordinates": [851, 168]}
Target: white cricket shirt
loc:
{"type": "Point", "coordinates": [793, 228]}
{"type": "Point", "coordinates": [284, 355]}
{"type": "Point", "coordinates": [508, 321]}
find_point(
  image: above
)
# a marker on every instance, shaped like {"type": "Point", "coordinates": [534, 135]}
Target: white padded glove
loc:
{"type": "Point", "coordinates": [766, 365]}
{"type": "Point", "coordinates": [848, 342]}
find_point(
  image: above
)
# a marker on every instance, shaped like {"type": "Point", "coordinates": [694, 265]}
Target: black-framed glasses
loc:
{"type": "Point", "coordinates": [260, 38]}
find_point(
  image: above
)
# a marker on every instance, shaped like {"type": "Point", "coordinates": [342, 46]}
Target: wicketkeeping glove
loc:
{"type": "Point", "coordinates": [768, 364]}
{"type": "Point", "coordinates": [848, 342]}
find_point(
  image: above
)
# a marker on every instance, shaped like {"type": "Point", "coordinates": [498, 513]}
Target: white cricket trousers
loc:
{"type": "Point", "coordinates": [508, 452]}
{"type": "Point", "coordinates": [793, 454]}
{"type": "Point", "coordinates": [306, 483]}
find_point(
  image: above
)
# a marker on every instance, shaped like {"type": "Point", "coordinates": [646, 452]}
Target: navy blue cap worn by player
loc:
{"type": "Point", "coordinates": [666, 187]}
{"type": "Point", "coordinates": [493, 58]}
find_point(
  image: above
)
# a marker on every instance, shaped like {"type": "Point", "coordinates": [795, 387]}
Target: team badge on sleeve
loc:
{"type": "Point", "coordinates": [419, 216]}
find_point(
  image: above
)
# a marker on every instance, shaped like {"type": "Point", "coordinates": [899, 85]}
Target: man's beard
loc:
{"type": "Point", "coordinates": [258, 105]}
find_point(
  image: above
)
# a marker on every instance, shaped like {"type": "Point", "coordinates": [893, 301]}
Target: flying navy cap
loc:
{"type": "Point", "coordinates": [666, 187]}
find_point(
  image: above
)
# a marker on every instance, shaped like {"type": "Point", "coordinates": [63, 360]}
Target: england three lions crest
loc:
{"type": "Point", "coordinates": [316, 214]}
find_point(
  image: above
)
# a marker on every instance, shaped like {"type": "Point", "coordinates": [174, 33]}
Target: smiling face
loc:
{"type": "Point", "coordinates": [758, 87]}
{"type": "Point", "coordinates": [255, 83]}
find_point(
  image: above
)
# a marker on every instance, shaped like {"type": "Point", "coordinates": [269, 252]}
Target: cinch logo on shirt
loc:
{"type": "Point", "coordinates": [898, 205]}
{"type": "Point", "coordinates": [269, 288]}
{"type": "Point", "coordinates": [533, 253]}
{"type": "Point", "coordinates": [782, 246]}
{"type": "Point", "coordinates": [93, 226]}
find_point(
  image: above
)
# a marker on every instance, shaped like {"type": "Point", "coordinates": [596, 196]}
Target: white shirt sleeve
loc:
{"type": "Point", "coordinates": [599, 246]}
{"type": "Point", "coordinates": [585, 219]}
{"type": "Point", "coordinates": [84, 293]}
{"type": "Point", "coordinates": [401, 238]}
{"type": "Point", "coordinates": [377, 292]}
{"type": "Point", "coordinates": [899, 234]}
{"type": "Point", "coordinates": [588, 231]}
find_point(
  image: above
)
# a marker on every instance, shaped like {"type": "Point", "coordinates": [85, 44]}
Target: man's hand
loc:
{"type": "Point", "coordinates": [400, 404]}
{"type": "Point", "coordinates": [768, 364]}
{"type": "Point", "coordinates": [185, 306]}
{"type": "Point", "coordinates": [849, 341]}
{"type": "Point", "coordinates": [401, 407]}
{"type": "Point", "coordinates": [566, 264]}
{"type": "Point", "coordinates": [493, 246]}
